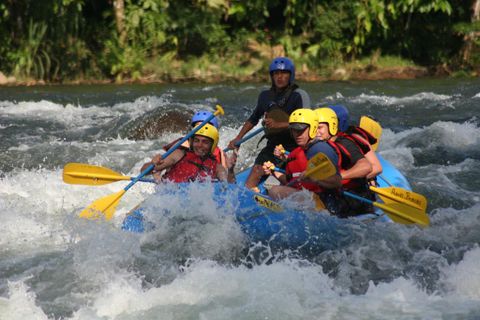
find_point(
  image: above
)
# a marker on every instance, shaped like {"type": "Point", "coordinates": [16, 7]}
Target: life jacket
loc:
{"type": "Point", "coordinates": [345, 163]}
{"type": "Point", "coordinates": [217, 153]}
{"type": "Point", "coordinates": [361, 137]}
{"type": "Point", "coordinates": [192, 168]}
{"type": "Point", "coordinates": [296, 165]}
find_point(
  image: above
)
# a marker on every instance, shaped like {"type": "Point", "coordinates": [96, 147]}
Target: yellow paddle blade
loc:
{"type": "Point", "coordinates": [80, 173]}
{"type": "Point", "coordinates": [403, 214]}
{"type": "Point", "coordinates": [219, 111]}
{"type": "Point", "coordinates": [320, 167]}
{"type": "Point", "coordinates": [105, 206]}
{"type": "Point", "coordinates": [372, 127]}
{"type": "Point", "coordinates": [267, 203]}
{"type": "Point", "coordinates": [409, 198]}
{"type": "Point", "coordinates": [319, 205]}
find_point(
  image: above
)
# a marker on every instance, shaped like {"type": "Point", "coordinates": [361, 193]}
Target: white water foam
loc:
{"type": "Point", "coordinates": [463, 279]}
{"type": "Point", "coordinates": [395, 101]}
{"type": "Point", "coordinates": [284, 290]}
{"type": "Point", "coordinates": [20, 303]}
{"type": "Point", "coordinates": [455, 135]}
{"type": "Point", "coordinates": [32, 211]}
{"type": "Point", "coordinates": [462, 137]}
{"type": "Point", "coordinates": [80, 116]}
{"type": "Point", "coordinates": [37, 204]}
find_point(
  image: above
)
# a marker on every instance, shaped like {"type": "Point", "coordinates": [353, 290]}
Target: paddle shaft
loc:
{"type": "Point", "coordinates": [247, 137]}
{"type": "Point", "coordinates": [385, 180]}
{"type": "Point", "coordinates": [279, 170]}
{"type": "Point", "coordinates": [352, 195]}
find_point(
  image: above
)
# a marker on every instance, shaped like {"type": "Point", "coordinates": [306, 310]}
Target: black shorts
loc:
{"type": "Point", "coordinates": [266, 154]}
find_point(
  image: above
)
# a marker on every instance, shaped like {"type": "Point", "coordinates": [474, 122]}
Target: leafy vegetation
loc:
{"type": "Point", "coordinates": [65, 40]}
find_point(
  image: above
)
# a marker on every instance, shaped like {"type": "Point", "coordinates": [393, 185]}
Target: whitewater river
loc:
{"type": "Point", "coordinates": [54, 265]}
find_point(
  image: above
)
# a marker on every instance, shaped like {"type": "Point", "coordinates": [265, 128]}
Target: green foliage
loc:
{"type": "Point", "coordinates": [59, 40]}
{"type": "Point", "coordinates": [198, 28]}
{"type": "Point", "coordinates": [5, 38]}
{"type": "Point", "coordinates": [467, 27]}
{"type": "Point", "coordinates": [146, 36]}
{"type": "Point", "coordinates": [383, 17]}
{"type": "Point", "coordinates": [31, 58]}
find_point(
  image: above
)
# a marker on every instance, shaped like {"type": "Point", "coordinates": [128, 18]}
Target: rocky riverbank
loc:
{"type": "Point", "coordinates": [368, 72]}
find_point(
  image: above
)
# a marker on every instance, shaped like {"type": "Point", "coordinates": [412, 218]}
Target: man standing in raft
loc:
{"type": "Point", "coordinates": [275, 105]}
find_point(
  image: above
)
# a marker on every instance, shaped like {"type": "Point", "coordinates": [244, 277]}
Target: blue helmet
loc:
{"type": "Point", "coordinates": [200, 116]}
{"type": "Point", "coordinates": [342, 115]}
{"type": "Point", "coordinates": [282, 63]}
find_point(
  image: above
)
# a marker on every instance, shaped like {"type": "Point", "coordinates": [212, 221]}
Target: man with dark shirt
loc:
{"type": "Point", "coordinates": [354, 167]}
{"type": "Point", "coordinates": [275, 105]}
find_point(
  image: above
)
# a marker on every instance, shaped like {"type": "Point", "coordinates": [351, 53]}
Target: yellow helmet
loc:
{"type": "Point", "coordinates": [304, 117]}
{"type": "Point", "coordinates": [328, 116]}
{"type": "Point", "coordinates": [211, 132]}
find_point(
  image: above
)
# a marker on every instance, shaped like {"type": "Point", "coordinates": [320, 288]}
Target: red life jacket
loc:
{"type": "Point", "coordinates": [296, 165]}
{"type": "Point", "coordinates": [345, 163]}
{"type": "Point", "coordinates": [361, 137]}
{"type": "Point", "coordinates": [192, 168]}
{"type": "Point", "coordinates": [217, 153]}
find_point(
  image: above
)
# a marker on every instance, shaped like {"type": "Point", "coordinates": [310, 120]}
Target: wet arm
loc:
{"type": "Point", "coordinates": [376, 165]}
{"type": "Point", "coordinates": [360, 170]}
{"type": "Point", "coordinates": [161, 164]}
{"type": "Point", "coordinates": [223, 174]}
{"type": "Point", "coordinates": [332, 182]}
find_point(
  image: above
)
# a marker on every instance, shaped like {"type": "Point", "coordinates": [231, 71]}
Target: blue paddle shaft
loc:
{"type": "Point", "coordinates": [247, 137]}
{"type": "Point", "coordinates": [351, 195]}
{"type": "Point", "coordinates": [279, 170]}
{"type": "Point", "coordinates": [385, 180]}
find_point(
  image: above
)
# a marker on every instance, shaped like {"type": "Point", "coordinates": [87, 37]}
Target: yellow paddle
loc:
{"type": "Point", "coordinates": [397, 211]}
{"type": "Point", "coordinates": [319, 167]}
{"type": "Point", "coordinates": [401, 195]}
{"type": "Point", "coordinates": [107, 205]}
{"type": "Point", "coordinates": [87, 174]}
{"type": "Point", "coordinates": [372, 127]}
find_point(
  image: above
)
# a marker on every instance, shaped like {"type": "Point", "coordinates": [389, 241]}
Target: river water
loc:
{"type": "Point", "coordinates": [54, 265]}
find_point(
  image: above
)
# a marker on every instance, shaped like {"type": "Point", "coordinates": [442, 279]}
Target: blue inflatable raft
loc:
{"type": "Point", "coordinates": [278, 226]}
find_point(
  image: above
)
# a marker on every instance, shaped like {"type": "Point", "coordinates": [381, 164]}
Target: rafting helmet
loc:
{"type": "Point", "coordinates": [202, 115]}
{"type": "Point", "coordinates": [301, 118]}
{"type": "Point", "coordinates": [211, 132]}
{"type": "Point", "coordinates": [282, 63]}
{"type": "Point", "coordinates": [342, 116]}
{"type": "Point", "coordinates": [327, 115]}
